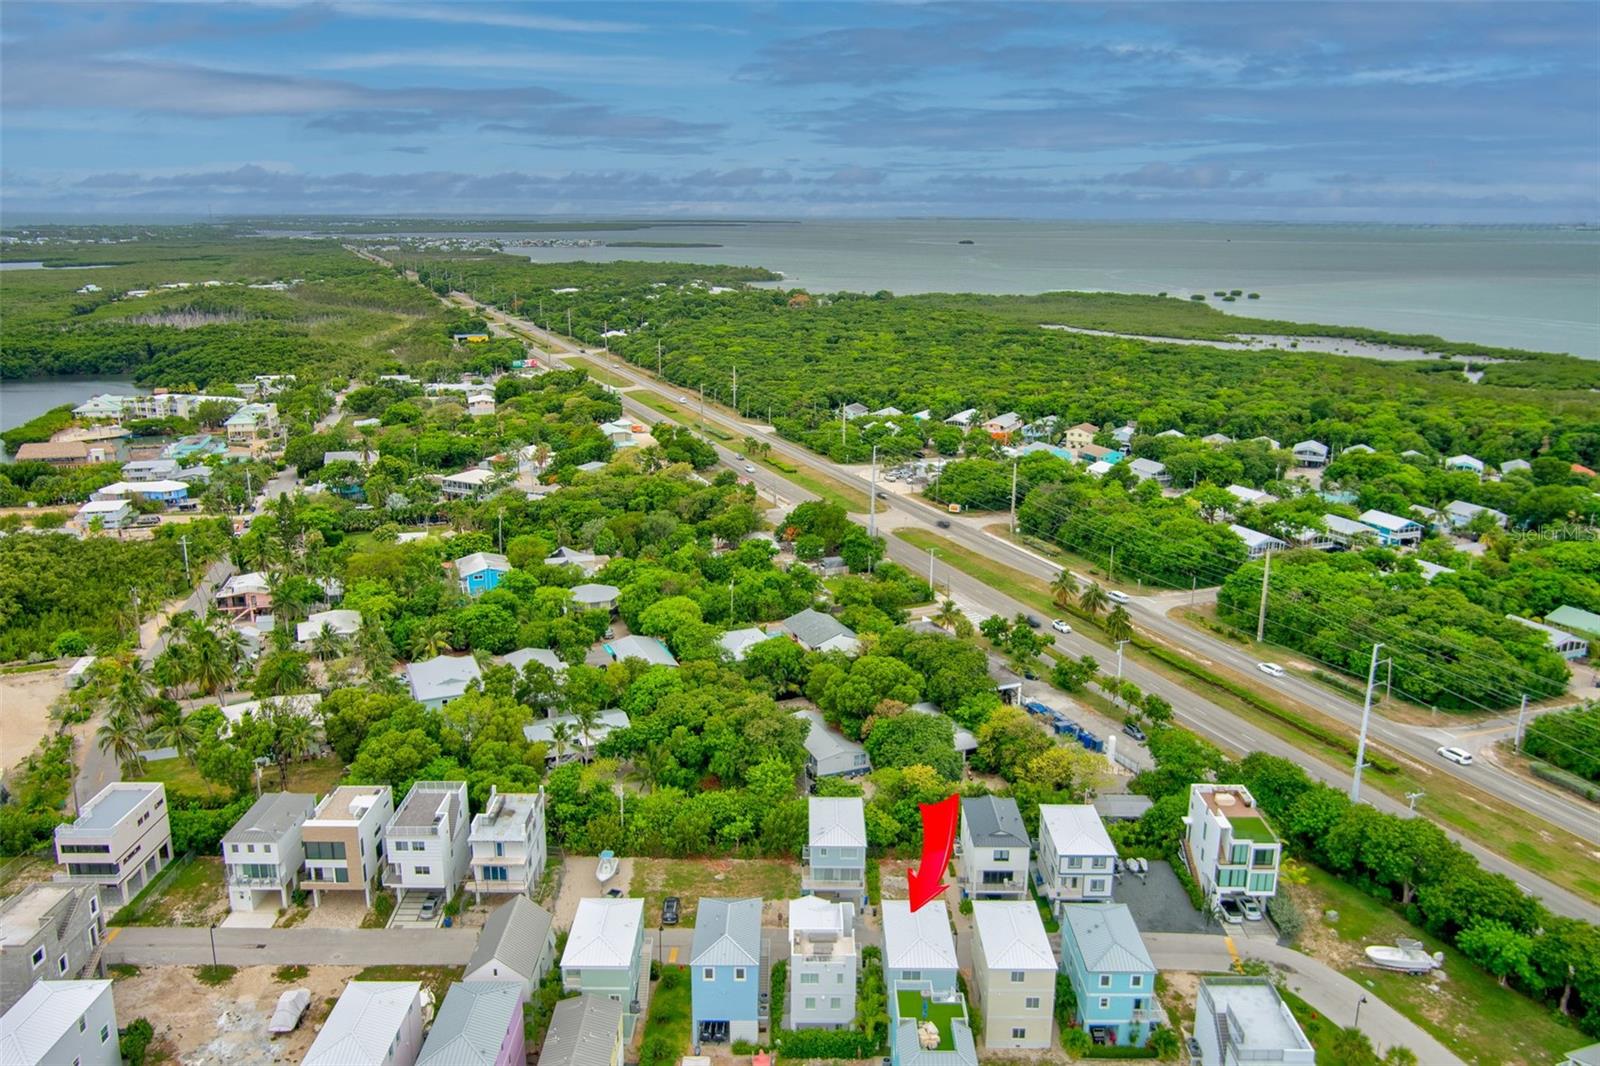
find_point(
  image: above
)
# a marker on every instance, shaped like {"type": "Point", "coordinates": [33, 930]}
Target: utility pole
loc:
{"type": "Point", "coordinates": [500, 528]}
{"type": "Point", "coordinates": [184, 541]}
{"type": "Point", "coordinates": [872, 498]}
{"type": "Point", "coordinates": [1522, 712]}
{"type": "Point", "coordinates": [1366, 714]}
{"type": "Point", "coordinates": [658, 358]}
{"type": "Point", "coordinates": [1261, 614]}
{"type": "Point", "coordinates": [1013, 497]}
{"type": "Point", "coordinates": [702, 408]}
{"type": "Point", "coordinates": [1113, 567]}
{"type": "Point", "coordinates": [930, 570]}
{"type": "Point", "coordinates": [569, 321]}
{"type": "Point", "coordinates": [841, 423]}
{"type": "Point", "coordinates": [1120, 643]}
{"type": "Point", "coordinates": [736, 389]}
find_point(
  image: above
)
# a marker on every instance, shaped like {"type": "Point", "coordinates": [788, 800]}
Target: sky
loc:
{"type": "Point", "coordinates": [1433, 112]}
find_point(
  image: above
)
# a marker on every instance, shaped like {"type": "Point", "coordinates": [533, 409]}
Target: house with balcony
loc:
{"type": "Point", "coordinates": [1015, 973]}
{"type": "Point", "coordinates": [1080, 435]}
{"type": "Point", "coordinates": [426, 840]}
{"type": "Point", "coordinates": [507, 840]}
{"type": "Point", "coordinates": [1239, 1021]}
{"type": "Point", "coordinates": [467, 484]}
{"type": "Point", "coordinates": [727, 971]}
{"type": "Point", "coordinates": [518, 943]}
{"type": "Point", "coordinates": [263, 852]}
{"type": "Point", "coordinates": [595, 596]}
{"type": "Point", "coordinates": [104, 515]}
{"type": "Point", "coordinates": [49, 930]}
{"type": "Point", "coordinates": [584, 1031]}
{"type": "Point", "coordinates": [823, 964]}
{"type": "Point", "coordinates": [119, 841]}
{"type": "Point", "coordinates": [928, 1023]}
{"type": "Point", "coordinates": [1460, 514]}
{"type": "Point", "coordinates": [343, 840]}
{"type": "Point", "coordinates": [251, 422]}
{"type": "Point", "coordinates": [1075, 860]}
{"type": "Point", "coordinates": [835, 854]}
{"type": "Point", "coordinates": [1150, 470]}
{"type": "Point", "coordinates": [1231, 849]}
{"type": "Point", "coordinates": [1310, 453]}
{"type": "Point", "coordinates": [606, 954]}
{"type": "Point", "coordinates": [1256, 543]}
{"type": "Point", "coordinates": [61, 1023]}
{"type": "Point", "coordinates": [479, 1022]}
{"type": "Point", "coordinates": [244, 597]}
{"type": "Point", "coordinates": [1111, 972]}
{"type": "Point", "coordinates": [481, 571]}
{"type": "Point", "coordinates": [992, 850]}
{"type": "Point", "coordinates": [1393, 530]}
{"type": "Point", "coordinates": [375, 1023]}
{"type": "Point", "coordinates": [1468, 463]}
{"type": "Point", "coordinates": [828, 752]}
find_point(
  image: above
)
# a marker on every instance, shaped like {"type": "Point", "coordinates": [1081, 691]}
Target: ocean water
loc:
{"type": "Point", "coordinates": [26, 399]}
{"type": "Point", "coordinates": [1536, 288]}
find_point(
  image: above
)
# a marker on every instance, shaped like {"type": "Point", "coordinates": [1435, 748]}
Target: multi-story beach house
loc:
{"type": "Point", "coordinates": [120, 840]}
{"type": "Point", "coordinates": [835, 854]}
{"type": "Point", "coordinates": [823, 963]}
{"type": "Point", "coordinates": [1231, 849]}
{"type": "Point", "coordinates": [1076, 860]}
{"type": "Point", "coordinates": [343, 840]}
{"type": "Point", "coordinates": [263, 853]}
{"type": "Point", "coordinates": [426, 840]}
{"type": "Point", "coordinates": [507, 840]}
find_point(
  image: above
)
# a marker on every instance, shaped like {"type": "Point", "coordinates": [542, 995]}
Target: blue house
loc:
{"type": "Point", "coordinates": [1393, 530]}
{"type": "Point", "coordinates": [725, 961]}
{"type": "Point", "coordinates": [481, 571]}
{"type": "Point", "coordinates": [1104, 957]}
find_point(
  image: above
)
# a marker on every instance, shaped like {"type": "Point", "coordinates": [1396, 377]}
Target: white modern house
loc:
{"type": "Point", "coordinates": [48, 930]}
{"type": "Point", "coordinates": [928, 1023]}
{"type": "Point", "coordinates": [471, 482]}
{"type": "Point", "coordinates": [61, 1023]}
{"type": "Point", "coordinates": [1240, 1021]}
{"type": "Point", "coordinates": [606, 954]}
{"type": "Point", "coordinates": [1310, 453]}
{"type": "Point", "coordinates": [1076, 858]}
{"type": "Point", "coordinates": [828, 753]}
{"type": "Point", "coordinates": [1231, 849]}
{"type": "Point", "coordinates": [263, 852]}
{"type": "Point", "coordinates": [120, 840]}
{"type": "Point", "coordinates": [375, 1023]}
{"type": "Point", "coordinates": [993, 851]}
{"type": "Point", "coordinates": [507, 840]}
{"type": "Point", "coordinates": [1016, 973]}
{"type": "Point", "coordinates": [426, 840]}
{"type": "Point", "coordinates": [1257, 544]}
{"type": "Point", "coordinates": [103, 514]}
{"type": "Point", "coordinates": [835, 854]}
{"type": "Point", "coordinates": [823, 962]}
{"type": "Point", "coordinates": [343, 840]}
{"type": "Point", "coordinates": [435, 682]}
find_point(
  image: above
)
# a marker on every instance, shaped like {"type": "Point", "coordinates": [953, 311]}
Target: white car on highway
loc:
{"type": "Point", "coordinates": [1459, 756]}
{"type": "Point", "coordinates": [1270, 669]}
{"type": "Point", "coordinates": [1119, 597]}
{"type": "Point", "coordinates": [1060, 626]}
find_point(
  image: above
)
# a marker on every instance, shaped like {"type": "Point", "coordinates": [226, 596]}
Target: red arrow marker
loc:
{"type": "Point", "coordinates": [938, 838]}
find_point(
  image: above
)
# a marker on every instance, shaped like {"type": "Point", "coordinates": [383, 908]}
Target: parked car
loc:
{"type": "Point", "coordinates": [1230, 911]}
{"type": "Point", "coordinates": [1252, 909]}
{"type": "Point", "coordinates": [1134, 731]}
{"type": "Point", "coordinates": [882, 495]}
{"type": "Point", "coordinates": [1119, 597]}
{"type": "Point", "coordinates": [943, 523]}
{"type": "Point", "coordinates": [1270, 669]}
{"type": "Point", "coordinates": [669, 911]}
{"type": "Point", "coordinates": [1459, 756]}
{"type": "Point", "coordinates": [1060, 626]}
{"type": "Point", "coordinates": [1194, 1049]}
{"type": "Point", "coordinates": [147, 520]}
{"type": "Point", "coordinates": [429, 908]}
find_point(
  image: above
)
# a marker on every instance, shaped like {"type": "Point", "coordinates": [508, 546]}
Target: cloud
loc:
{"type": "Point", "coordinates": [410, 149]}
{"type": "Point", "coordinates": [1168, 176]}
{"type": "Point", "coordinates": [496, 15]}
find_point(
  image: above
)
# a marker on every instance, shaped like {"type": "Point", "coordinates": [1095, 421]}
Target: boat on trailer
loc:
{"type": "Point", "coordinates": [1405, 955]}
{"type": "Point", "coordinates": [607, 868]}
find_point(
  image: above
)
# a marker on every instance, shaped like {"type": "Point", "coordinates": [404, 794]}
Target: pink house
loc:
{"type": "Point", "coordinates": [479, 1021]}
{"type": "Point", "coordinates": [244, 596]}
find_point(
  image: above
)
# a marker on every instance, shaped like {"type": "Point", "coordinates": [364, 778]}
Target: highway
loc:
{"type": "Point", "coordinates": [1206, 718]}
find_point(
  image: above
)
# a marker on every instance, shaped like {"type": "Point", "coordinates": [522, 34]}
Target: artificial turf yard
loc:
{"type": "Point", "coordinates": [941, 1015]}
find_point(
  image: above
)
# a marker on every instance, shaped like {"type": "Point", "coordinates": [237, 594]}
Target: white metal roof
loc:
{"type": "Point", "coordinates": [1107, 938]}
{"type": "Point", "coordinates": [471, 564]}
{"type": "Point", "coordinates": [604, 934]}
{"type": "Point", "coordinates": [1012, 935]}
{"type": "Point", "coordinates": [442, 677]}
{"type": "Point", "coordinates": [917, 940]}
{"type": "Point", "coordinates": [1075, 829]}
{"type": "Point", "coordinates": [44, 1014]}
{"type": "Point", "coordinates": [838, 822]}
{"type": "Point", "coordinates": [364, 1023]}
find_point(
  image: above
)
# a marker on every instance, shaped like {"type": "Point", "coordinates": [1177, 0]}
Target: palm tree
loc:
{"type": "Point", "coordinates": [1063, 588]}
{"type": "Point", "coordinates": [1093, 599]}
{"type": "Point", "coordinates": [122, 737]}
{"type": "Point", "coordinates": [561, 737]}
{"type": "Point", "coordinates": [373, 649]}
{"type": "Point", "coordinates": [650, 765]}
{"type": "Point", "coordinates": [210, 665]}
{"type": "Point", "coordinates": [752, 446]}
{"type": "Point", "coordinates": [292, 736]}
{"type": "Point", "coordinates": [282, 673]}
{"type": "Point", "coordinates": [947, 614]}
{"type": "Point", "coordinates": [327, 644]}
{"type": "Point", "coordinates": [170, 728]}
{"type": "Point", "coordinates": [586, 717]}
{"type": "Point", "coordinates": [430, 640]}
{"type": "Point", "coordinates": [130, 687]}
{"type": "Point", "coordinates": [1118, 625]}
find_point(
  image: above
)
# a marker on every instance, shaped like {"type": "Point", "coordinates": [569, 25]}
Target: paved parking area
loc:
{"type": "Point", "coordinates": [1159, 903]}
{"type": "Point", "coordinates": [407, 913]}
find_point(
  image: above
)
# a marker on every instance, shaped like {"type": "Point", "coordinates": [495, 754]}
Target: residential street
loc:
{"type": "Point", "coordinates": [151, 946]}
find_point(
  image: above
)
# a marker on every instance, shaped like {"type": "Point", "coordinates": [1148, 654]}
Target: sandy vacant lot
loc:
{"type": "Point", "coordinates": [226, 1025]}
{"type": "Point", "coordinates": [578, 881]}
{"type": "Point", "coordinates": [25, 712]}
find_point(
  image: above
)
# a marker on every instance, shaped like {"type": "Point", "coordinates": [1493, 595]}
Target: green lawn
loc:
{"type": "Point", "coordinates": [317, 776]}
{"type": "Point", "coordinates": [438, 979]}
{"type": "Point", "coordinates": [195, 895]}
{"type": "Point", "coordinates": [669, 1026]}
{"type": "Point", "coordinates": [598, 372]}
{"type": "Point", "coordinates": [815, 481]}
{"type": "Point", "coordinates": [1325, 1035]}
{"type": "Point", "coordinates": [940, 1014]}
{"type": "Point", "coordinates": [663, 407]}
{"type": "Point", "coordinates": [689, 879]}
{"type": "Point", "coordinates": [1469, 1013]}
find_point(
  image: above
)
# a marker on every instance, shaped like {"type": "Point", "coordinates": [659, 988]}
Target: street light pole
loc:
{"type": "Point", "coordinates": [1360, 1001]}
{"type": "Point", "coordinates": [1366, 715]}
{"type": "Point", "coordinates": [213, 931]}
{"type": "Point", "coordinates": [872, 500]}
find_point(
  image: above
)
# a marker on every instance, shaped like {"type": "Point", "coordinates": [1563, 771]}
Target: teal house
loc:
{"type": "Point", "coordinates": [1104, 957]}
{"type": "Point", "coordinates": [481, 571]}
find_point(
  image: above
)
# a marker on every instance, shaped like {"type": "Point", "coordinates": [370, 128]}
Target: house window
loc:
{"type": "Point", "coordinates": [235, 848]}
{"type": "Point", "coordinates": [708, 974]}
{"type": "Point", "coordinates": [1239, 854]}
{"type": "Point", "coordinates": [61, 965]}
{"type": "Point", "coordinates": [1105, 980]}
{"type": "Point", "coordinates": [1099, 862]}
{"type": "Point", "coordinates": [341, 875]}
{"type": "Point", "coordinates": [1002, 854]}
{"type": "Point", "coordinates": [1137, 980]}
{"type": "Point", "coordinates": [82, 1025]}
{"type": "Point", "coordinates": [738, 973]}
{"type": "Point", "coordinates": [1031, 1003]}
{"type": "Point", "coordinates": [833, 1002]}
{"type": "Point", "coordinates": [1263, 857]}
{"type": "Point", "coordinates": [1075, 862]}
{"type": "Point", "coordinates": [808, 978]}
{"type": "Point", "coordinates": [94, 905]}
{"type": "Point", "coordinates": [38, 957]}
{"type": "Point", "coordinates": [422, 871]}
{"type": "Point", "coordinates": [1263, 883]}
{"type": "Point", "coordinates": [1097, 885]}
{"type": "Point", "coordinates": [1105, 1003]}
{"type": "Point", "coordinates": [105, 1033]}
{"type": "Point", "coordinates": [251, 848]}
{"type": "Point", "coordinates": [1017, 977]}
{"type": "Point", "coordinates": [811, 1003]}
{"type": "Point", "coordinates": [911, 975]}
{"type": "Point", "coordinates": [1018, 1033]}
{"type": "Point", "coordinates": [499, 849]}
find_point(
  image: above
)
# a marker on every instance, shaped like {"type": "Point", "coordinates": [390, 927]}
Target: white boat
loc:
{"type": "Point", "coordinates": [607, 868]}
{"type": "Point", "coordinates": [1406, 955]}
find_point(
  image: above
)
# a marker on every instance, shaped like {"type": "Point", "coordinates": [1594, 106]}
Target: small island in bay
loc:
{"type": "Point", "coordinates": [966, 241]}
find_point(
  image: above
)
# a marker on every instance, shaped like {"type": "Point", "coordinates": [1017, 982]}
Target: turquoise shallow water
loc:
{"type": "Point", "coordinates": [1535, 288]}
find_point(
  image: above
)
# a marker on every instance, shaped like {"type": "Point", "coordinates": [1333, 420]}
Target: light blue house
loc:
{"type": "Point", "coordinates": [1393, 530]}
{"type": "Point", "coordinates": [1104, 957]}
{"type": "Point", "coordinates": [919, 973]}
{"type": "Point", "coordinates": [481, 571]}
{"type": "Point", "coordinates": [725, 962]}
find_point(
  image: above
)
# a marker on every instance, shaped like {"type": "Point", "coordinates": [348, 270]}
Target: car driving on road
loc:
{"type": "Point", "coordinates": [1459, 756]}
{"type": "Point", "coordinates": [1270, 669]}
{"type": "Point", "coordinates": [1060, 626]}
{"type": "Point", "coordinates": [1119, 597]}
